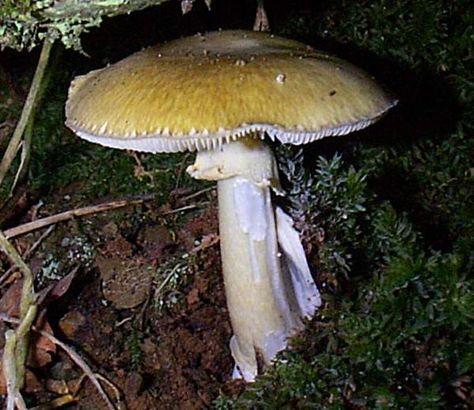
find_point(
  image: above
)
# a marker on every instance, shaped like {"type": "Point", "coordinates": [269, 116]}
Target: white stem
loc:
{"type": "Point", "coordinates": [266, 303]}
{"type": "Point", "coordinates": [261, 316]}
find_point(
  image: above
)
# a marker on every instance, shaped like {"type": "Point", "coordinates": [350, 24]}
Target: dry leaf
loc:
{"type": "Point", "coordinates": [10, 301]}
{"type": "Point", "coordinates": [41, 348]}
{"type": "Point", "coordinates": [57, 289]}
{"type": "Point", "coordinates": [71, 322]}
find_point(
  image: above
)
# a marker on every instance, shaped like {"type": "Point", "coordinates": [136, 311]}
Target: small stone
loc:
{"type": "Point", "coordinates": [57, 386]}
{"type": "Point", "coordinates": [110, 230]}
{"type": "Point", "coordinates": [71, 322]}
{"type": "Point", "coordinates": [62, 371]}
{"type": "Point", "coordinates": [193, 296]}
{"type": "Point", "coordinates": [32, 385]}
{"type": "Point", "coordinates": [133, 384]}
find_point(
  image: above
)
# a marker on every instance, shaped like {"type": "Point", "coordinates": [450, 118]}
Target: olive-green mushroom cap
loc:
{"type": "Point", "coordinates": [200, 91]}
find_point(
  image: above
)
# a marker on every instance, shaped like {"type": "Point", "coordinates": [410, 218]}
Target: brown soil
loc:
{"type": "Point", "coordinates": [164, 345]}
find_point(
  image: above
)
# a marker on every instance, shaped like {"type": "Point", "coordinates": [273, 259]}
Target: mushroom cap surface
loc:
{"type": "Point", "coordinates": [198, 92]}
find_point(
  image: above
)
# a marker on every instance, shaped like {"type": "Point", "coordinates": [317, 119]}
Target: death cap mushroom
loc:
{"type": "Point", "coordinates": [202, 93]}
{"type": "Point", "coordinates": [198, 92]}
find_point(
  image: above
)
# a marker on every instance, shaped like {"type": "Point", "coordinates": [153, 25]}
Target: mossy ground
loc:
{"type": "Point", "coordinates": [386, 215]}
{"type": "Point", "coordinates": [389, 217]}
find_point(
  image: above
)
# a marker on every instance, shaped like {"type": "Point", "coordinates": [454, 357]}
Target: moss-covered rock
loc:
{"type": "Point", "coordinates": [24, 23]}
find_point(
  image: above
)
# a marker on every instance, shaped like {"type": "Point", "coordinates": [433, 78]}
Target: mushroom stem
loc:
{"type": "Point", "coordinates": [268, 291]}
{"type": "Point", "coordinates": [259, 308]}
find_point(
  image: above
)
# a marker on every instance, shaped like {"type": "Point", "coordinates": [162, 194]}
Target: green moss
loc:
{"type": "Point", "coordinates": [134, 350]}
{"type": "Point", "coordinates": [388, 223]}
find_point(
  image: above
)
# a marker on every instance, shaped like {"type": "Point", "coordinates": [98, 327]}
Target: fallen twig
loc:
{"type": "Point", "coordinates": [9, 368]}
{"type": "Point", "coordinates": [38, 242]}
{"type": "Point", "coordinates": [56, 403]}
{"type": "Point", "coordinates": [27, 294]}
{"type": "Point", "coordinates": [166, 280]}
{"type": "Point", "coordinates": [177, 210]}
{"type": "Point", "coordinates": [6, 124]}
{"type": "Point", "coordinates": [22, 333]}
{"type": "Point", "coordinates": [94, 209]}
{"type": "Point", "coordinates": [73, 213]}
{"type": "Point", "coordinates": [181, 170]}
{"type": "Point", "coordinates": [28, 109]}
{"type": "Point", "coordinates": [76, 358]}
{"type": "Point", "coordinates": [198, 193]}
{"type": "Point", "coordinates": [25, 256]}
{"type": "Point", "coordinates": [20, 338]}
{"type": "Point", "coordinates": [25, 146]}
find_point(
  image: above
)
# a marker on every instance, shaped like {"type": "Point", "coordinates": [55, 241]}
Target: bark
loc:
{"type": "Point", "coordinates": [24, 24]}
{"type": "Point", "coordinates": [86, 9]}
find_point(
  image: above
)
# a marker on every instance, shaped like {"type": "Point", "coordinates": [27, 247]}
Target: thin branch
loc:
{"type": "Point", "coordinates": [93, 209]}
{"type": "Point", "coordinates": [28, 310]}
{"type": "Point", "coordinates": [9, 368]}
{"type": "Point", "coordinates": [28, 108]}
{"type": "Point", "coordinates": [177, 210]}
{"type": "Point", "coordinates": [26, 255]}
{"type": "Point", "coordinates": [27, 294]}
{"type": "Point", "coordinates": [198, 193]}
{"type": "Point", "coordinates": [12, 253]}
{"type": "Point", "coordinates": [7, 123]}
{"type": "Point", "coordinates": [83, 365]}
{"type": "Point", "coordinates": [27, 140]}
{"type": "Point", "coordinates": [118, 395]}
{"type": "Point", "coordinates": [20, 402]}
{"type": "Point", "coordinates": [78, 212]}
{"type": "Point", "coordinates": [21, 167]}
{"type": "Point", "coordinates": [166, 280]}
{"type": "Point", "coordinates": [56, 403]}
{"type": "Point", "coordinates": [22, 333]}
{"type": "Point", "coordinates": [181, 170]}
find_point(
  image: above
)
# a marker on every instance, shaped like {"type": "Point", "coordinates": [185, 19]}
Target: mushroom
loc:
{"type": "Point", "coordinates": [223, 94]}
